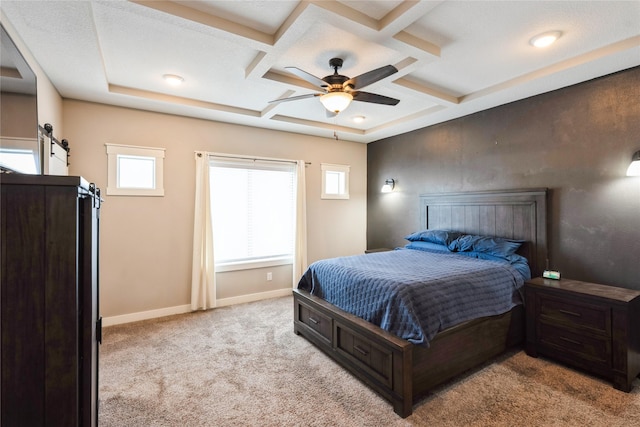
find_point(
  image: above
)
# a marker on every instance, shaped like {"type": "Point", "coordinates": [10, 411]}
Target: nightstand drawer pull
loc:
{"type": "Point", "coordinates": [570, 313]}
{"type": "Point", "coordinates": [570, 341]}
{"type": "Point", "coordinates": [314, 321]}
{"type": "Point", "coordinates": [361, 350]}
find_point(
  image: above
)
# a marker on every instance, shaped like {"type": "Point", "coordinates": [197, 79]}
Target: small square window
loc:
{"type": "Point", "coordinates": [335, 181]}
{"type": "Point", "coordinates": [135, 171]}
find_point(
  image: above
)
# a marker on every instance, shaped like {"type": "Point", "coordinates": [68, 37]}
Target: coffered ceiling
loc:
{"type": "Point", "coordinates": [453, 57]}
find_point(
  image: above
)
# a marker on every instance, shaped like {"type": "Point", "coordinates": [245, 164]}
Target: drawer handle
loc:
{"type": "Point", "coordinates": [361, 350]}
{"type": "Point", "coordinates": [571, 341]}
{"type": "Point", "coordinates": [314, 321]}
{"type": "Point", "coordinates": [570, 313]}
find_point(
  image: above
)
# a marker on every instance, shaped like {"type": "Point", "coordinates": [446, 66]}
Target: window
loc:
{"type": "Point", "coordinates": [335, 181]}
{"type": "Point", "coordinates": [253, 212]}
{"type": "Point", "coordinates": [135, 171]}
{"type": "Point", "coordinates": [20, 155]}
{"type": "Point", "coordinates": [23, 161]}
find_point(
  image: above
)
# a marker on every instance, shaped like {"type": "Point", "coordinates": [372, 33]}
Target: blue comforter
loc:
{"type": "Point", "coordinates": [415, 294]}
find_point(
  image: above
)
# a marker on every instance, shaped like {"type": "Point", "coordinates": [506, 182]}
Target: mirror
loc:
{"type": "Point", "coordinates": [20, 148]}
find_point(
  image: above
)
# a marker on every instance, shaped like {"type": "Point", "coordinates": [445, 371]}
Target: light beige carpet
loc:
{"type": "Point", "coordinates": [244, 366]}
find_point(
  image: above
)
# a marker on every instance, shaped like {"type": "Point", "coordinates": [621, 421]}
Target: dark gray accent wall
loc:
{"type": "Point", "coordinates": [576, 141]}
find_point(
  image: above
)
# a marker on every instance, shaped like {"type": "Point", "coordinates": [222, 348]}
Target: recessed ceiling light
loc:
{"type": "Point", "coordinates": [359, 119]}
{"type": "Point", "coordinates": [173, 79]}
{"type": "Point", "coordinates": [545, 39]}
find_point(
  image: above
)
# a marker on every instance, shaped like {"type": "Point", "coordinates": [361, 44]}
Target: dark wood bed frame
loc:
{"type": "Point", "coordinates": [400, 371]}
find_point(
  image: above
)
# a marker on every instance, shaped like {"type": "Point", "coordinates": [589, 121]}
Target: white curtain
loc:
{"type": "Point", "coordinates": [300, 249]}
{"type": "Point", "coordinates": [203, 277]}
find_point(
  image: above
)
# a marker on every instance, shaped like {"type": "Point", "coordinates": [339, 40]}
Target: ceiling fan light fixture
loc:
{"type": "Point", "coordinates": [336, 101]}
{"type": "Point", "coordinates": [545, 39]}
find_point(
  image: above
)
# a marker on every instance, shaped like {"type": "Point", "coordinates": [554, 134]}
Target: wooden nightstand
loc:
{"type": "Point", "coordinates": [372, 251]}
{"type": "Point", "coordinates": [585, 325]}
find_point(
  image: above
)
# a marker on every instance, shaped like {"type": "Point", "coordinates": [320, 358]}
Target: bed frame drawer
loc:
{"type": "Point", "coordinates": [376, 360]}
{"type": "Point", "coordinates": [315, 320]}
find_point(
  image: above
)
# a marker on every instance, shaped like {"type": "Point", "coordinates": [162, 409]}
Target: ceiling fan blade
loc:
{"type": "Point", "coordinates": [295, 98]}
{"type": "Point", "coordinates": [371, 77]}
{"type": "Point", "coordinates": [330, 114]}
{"type": "Point", "coordinates": [306, 76]}
{"type": "Point", "coordinates": [374, 98]}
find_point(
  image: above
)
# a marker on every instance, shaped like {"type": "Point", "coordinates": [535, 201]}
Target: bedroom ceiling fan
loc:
{"type": "Point", "coordinates": [340, 90]}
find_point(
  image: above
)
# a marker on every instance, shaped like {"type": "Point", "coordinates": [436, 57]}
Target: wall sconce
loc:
{"type": "Point", "coordinates": [388, 186]}
{"type": "Point", "coordinates": [634, 167]}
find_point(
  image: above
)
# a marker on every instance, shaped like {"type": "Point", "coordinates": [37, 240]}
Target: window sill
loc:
{"type": "Point", "coordinates": [134, 192]}
{"type": "Point", "coordinates": [249, 265]}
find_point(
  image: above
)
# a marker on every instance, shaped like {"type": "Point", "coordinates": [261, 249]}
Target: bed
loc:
{"type": "Point", "coordinates": [403, 370]}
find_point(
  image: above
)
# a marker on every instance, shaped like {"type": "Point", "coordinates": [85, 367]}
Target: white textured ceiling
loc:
{"type": "Point", "coordinates": [454, 57]}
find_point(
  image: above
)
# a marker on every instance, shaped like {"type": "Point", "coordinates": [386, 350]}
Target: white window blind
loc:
{"type": "Point", "coordinates": [253, 210]}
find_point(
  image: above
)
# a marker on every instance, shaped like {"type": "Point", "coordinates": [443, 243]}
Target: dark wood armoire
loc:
{"type": "Point", "coordinates": [51, 328]}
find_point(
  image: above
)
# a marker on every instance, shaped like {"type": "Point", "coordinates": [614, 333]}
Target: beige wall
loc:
{"type": "Point", "coordinates": [145, 259]}
{"type": "Point", "coordinates": [18, 115]}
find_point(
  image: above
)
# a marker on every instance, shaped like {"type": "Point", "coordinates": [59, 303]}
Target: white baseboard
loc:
{"type": "Point", "coordinates": [253, 297]}
{"type": "Point", "coordinates": [181, 309]}
{"type": "Point", "coordinates": [145, 315]}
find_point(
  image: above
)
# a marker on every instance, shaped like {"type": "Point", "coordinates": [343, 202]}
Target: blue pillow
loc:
{"type": "Point", "coordinates": [518, 262]}
{"type": "Point", "coordinates": [441, 237]}
{"type": "Point", "coordinates": [490, 245]}
{"type": "Point", "coordinates": [427, 246]}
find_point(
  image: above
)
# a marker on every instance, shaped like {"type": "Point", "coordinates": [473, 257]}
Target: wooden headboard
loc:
{"type": "Point", "coordinates": [512, 214]}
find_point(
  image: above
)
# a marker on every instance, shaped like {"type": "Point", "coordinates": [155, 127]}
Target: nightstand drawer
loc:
{"type": "Point", "coordinates": [579, 315]}
{"type": "Point", "coordinates": [590, 348]}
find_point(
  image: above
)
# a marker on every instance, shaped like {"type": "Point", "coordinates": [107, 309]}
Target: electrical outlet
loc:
{"type": "Point", "coordinates": [269, 276]}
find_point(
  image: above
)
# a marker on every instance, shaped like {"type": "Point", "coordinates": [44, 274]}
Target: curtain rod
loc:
{"type": "Point", "coordinates": [263, 159]}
